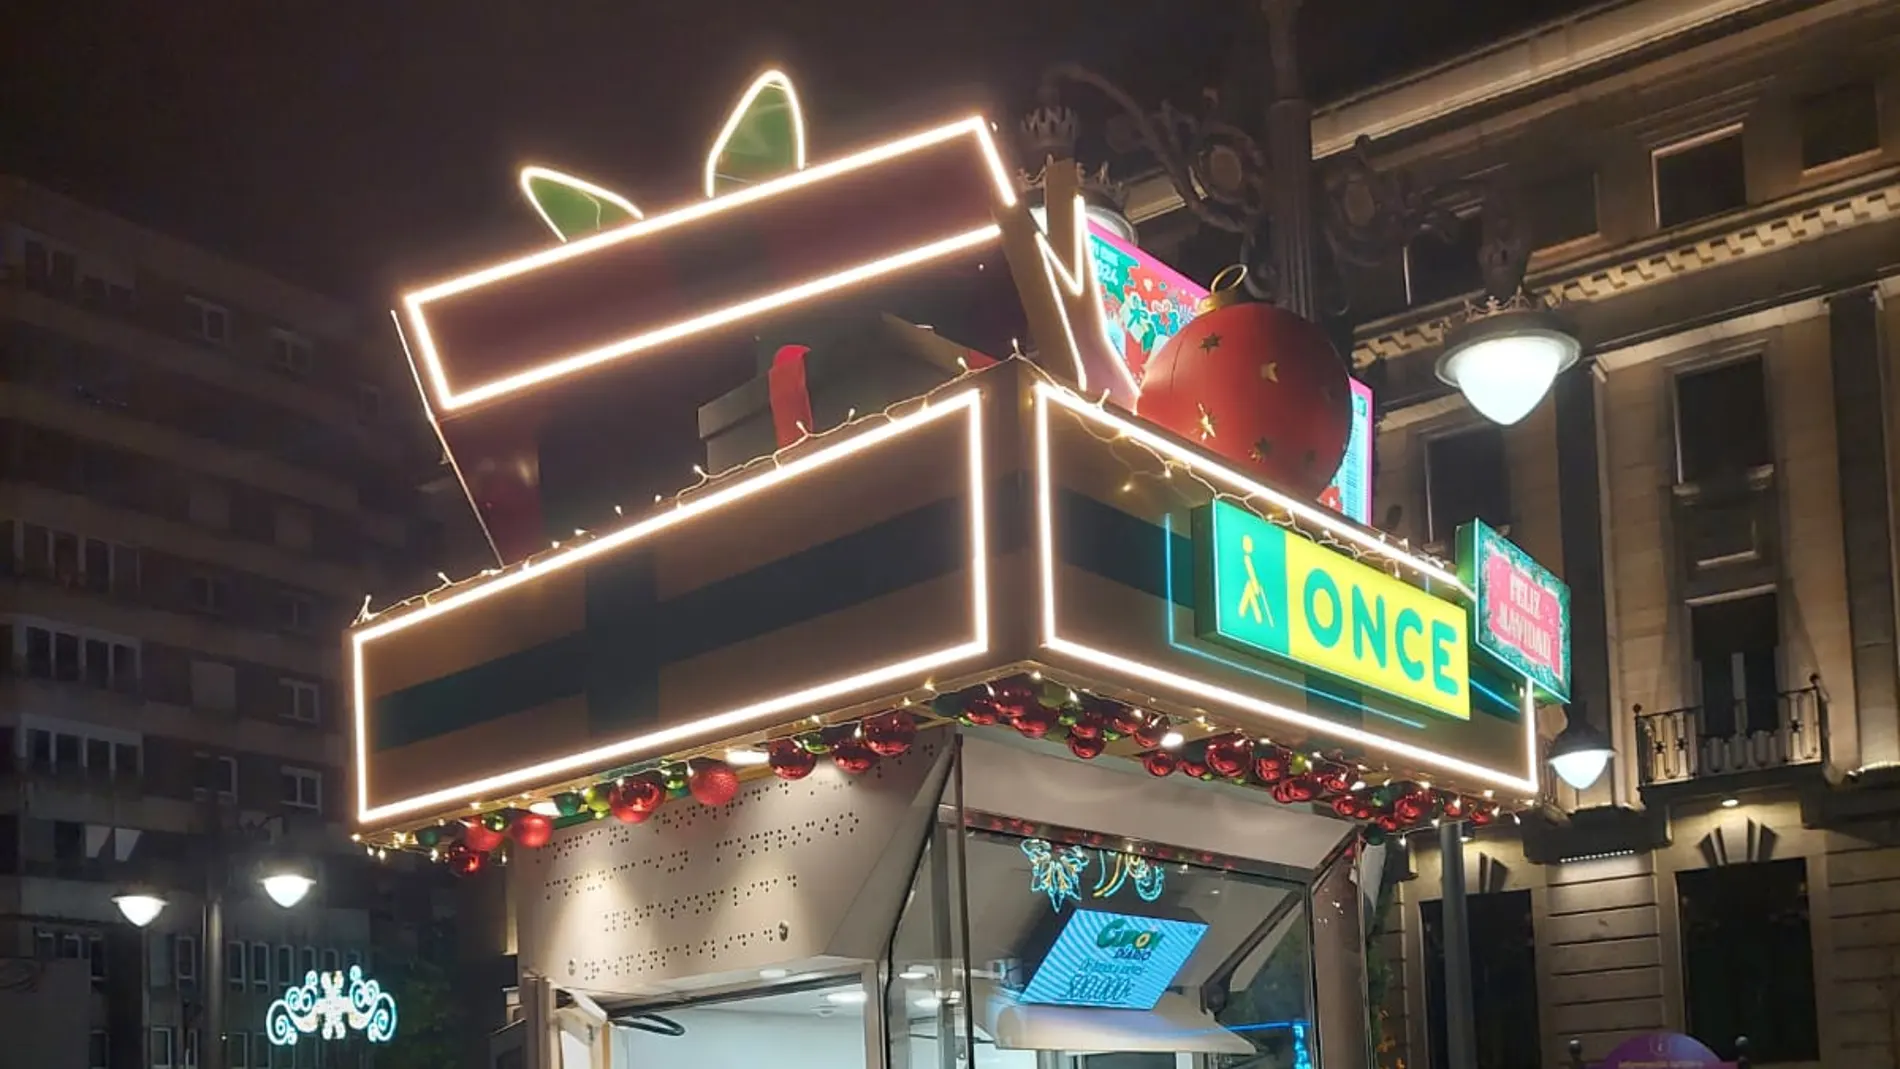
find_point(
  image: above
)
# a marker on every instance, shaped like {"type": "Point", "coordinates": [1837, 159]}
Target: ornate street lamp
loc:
{"type": "Point", "coordinates": [1503, 352]}
{"type": "Point", "coordinates": [140, 905]}
{"type": "Point", "coordinates": [1579, 753]}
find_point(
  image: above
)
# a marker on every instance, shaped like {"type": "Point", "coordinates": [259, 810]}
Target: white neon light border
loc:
{"type": "Point", "coordinates": [759, 85]}
{"type": "Point", "coordinates": [450, 399]}
{"type": "Point", "coordinates": [1046, 395]}
{"type": "Point", "coordinates": [731, 720]}
{"type": "Point", "coordinates": [534, 171]}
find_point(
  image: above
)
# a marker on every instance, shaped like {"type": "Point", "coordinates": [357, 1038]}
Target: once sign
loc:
{"type": "Point", "coordinates": [1277, 593]}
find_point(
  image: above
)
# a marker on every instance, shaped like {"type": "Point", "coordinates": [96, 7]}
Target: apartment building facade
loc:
{"type": "Point", "coordinates": [203, 471]}
{"type": "Point", "coordinates": [1713, 191]}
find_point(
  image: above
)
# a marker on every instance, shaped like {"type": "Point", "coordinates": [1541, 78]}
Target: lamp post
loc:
{"type": "Point", "coordinates": [1503, 351]}
{"type": "Point", "coordinates": [1579, 753]}
{"type": "Point", "coordinates": [285, 880]}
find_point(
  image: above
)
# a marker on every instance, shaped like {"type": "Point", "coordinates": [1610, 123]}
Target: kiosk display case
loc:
{"type": "Point", "coordinates": [988, 725]}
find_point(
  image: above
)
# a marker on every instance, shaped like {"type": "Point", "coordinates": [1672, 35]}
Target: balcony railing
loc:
{"type": "Point", "coordinates": [1756, 733]}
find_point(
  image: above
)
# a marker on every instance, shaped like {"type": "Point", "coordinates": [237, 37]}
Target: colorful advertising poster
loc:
{"type": "Point", "coordinates": [1113, 961]}
{"type": "Point", "coordinates": [1523, 611]}
{"type": "Point", "coordinates": [1144, 301]}
{"type": "Point", "coordinates": [1350, 494]}
{"type": "Point", "coordinates": [1268, 590]}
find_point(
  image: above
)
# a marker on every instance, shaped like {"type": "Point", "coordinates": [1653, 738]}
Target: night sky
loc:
{"type": "Point", "coordinates": [357, 145]}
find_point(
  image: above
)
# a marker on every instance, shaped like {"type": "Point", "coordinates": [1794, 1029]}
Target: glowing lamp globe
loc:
{"type": "Point", "coordinates": [1505, 362]}
{"type": "Point", "coordinates": [139, 907]}
{"type": "Point", "coordinates": [1579, 753]}
{"type": "Point", "coordinates": [287, 888]}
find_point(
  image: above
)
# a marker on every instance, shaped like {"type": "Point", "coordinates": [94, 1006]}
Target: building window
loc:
{"type": "Point", "coordinates": [216, 772]}
{"type": "Point", "coordinates": [210, 593]}
{"type": "Point", "coordinates": [260, 1050]}
{"type": "Point", "coordinates": [188, 1054]}
{"type": "Point", "coordinates": [70, 658]}
{"type": "Point", "coordinates": [332, 961]}
{"type": "Point", "coordinates": [294, 612]}
{"type": "Point", "coordinates": [208, 322]}
{"type": "Point", "coordinates": [1699, 178]}
{"type": "Point", "coordinates": [290, 353]}
{"type": "Point", "coordinates": [1748, 960]}
{"type": "Point", "coordinates": [300, 700]}
{"type": "Point", "coordinates": [1440, 266]}
{"type": "Point", "coordinates": [1722, 421]}
{"type": "Point", "coordinates": [303, 788]}
{"type": "Point", "coordinates": [308, 959]}
{"type": "Point", "coordinates": [1562, 209]}
{"type": "Point", "coordinates": [161, 1048]}
{"type": "Point", "coordinates": [1838, 124]}
{"type": "Point", "coordinates": [234, 965]}
{"type": "Point", "coordinates": [260, 965]}
{"type": "Point", "coordinates": [185, 958]}
{"type": "Point", "coordinates": [1737, 644]}
{"type": "Point", "coordinates": [237, 1050]}
{"type": "Point", "coordinates": [1465, 478]}
{"type": "Point", "coordinates": [96, 951]}
{"type": "Point", "coordinates": [98, 1049]}
{"type": "Point", "coordinates": [213, 686]}
{"type": "Point", "coordinates": [286, 967]}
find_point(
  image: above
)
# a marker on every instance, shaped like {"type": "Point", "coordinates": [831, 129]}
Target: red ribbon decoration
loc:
{"type": "Point", "coordinates": [791, 401]}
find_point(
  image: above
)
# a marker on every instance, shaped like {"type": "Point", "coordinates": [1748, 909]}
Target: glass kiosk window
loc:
{"type": "Point", "coordinates": [1087, 957]}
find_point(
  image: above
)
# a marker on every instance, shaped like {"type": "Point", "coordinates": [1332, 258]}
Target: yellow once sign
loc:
{"type": "Point", "coordinates": [1280, 594]}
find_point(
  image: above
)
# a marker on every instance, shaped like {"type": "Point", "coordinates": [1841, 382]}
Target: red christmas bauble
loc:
{"type": "Point", "coordinates": [1126, 720]}
{"type": "Point", "coordinates": [637, 799]}
{"type": "Point", "coordinates": [479, 837]}
{"type": "Point", "coordinates": [1160, 763]}
{"type": "Point", "coordinates": [1035, 721]}
{"type": "Point", "coordinates": [1196, 768]}
{"type": "Point", "coordinates": [1346, 807]}
{"type": "Point", "coordinates": [789, 760]}
{"type": "Point", "coordinates": [532, 830]}
{"type": "Point", "coordinates": [1086, 726]}
{"type": "Point", "coordinates": [981, 712]}
{"type": "Point", "coordinates": [1454, 808]}
{"type": "Point", "coordinates": [1388, 822]}
{"type": "Point", "coordinates": [1150, 734]}
{"type": "Point", "coordinates": [1334, 779]}
{"type": "Point", "coordinates": [1227, 757]}
{"type": "Point", "coordinates": [713, 783]}
{"type": "Point", "coordinates": [891, 733]}
{"type": "Point", "coordinates": [853, 757]}
{"type": "Point", "coordinates": [464, 862]}
{"type": "Point", "coordinates": [1087, 747]}
{"type": "Point", "coordinates": [1271, 766]}
{"type": "Point", "coordinates": [1260, 386]}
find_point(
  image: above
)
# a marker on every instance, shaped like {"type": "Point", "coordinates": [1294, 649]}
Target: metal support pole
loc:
{"type": "Point", "coordinates": [1290, 149]}
{"type": "Point", "coordinates": [1460, 1033]}
{"type": "Point", "coordinates": [211, 1052]}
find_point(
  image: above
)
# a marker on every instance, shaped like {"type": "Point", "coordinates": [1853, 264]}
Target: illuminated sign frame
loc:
{"type": "Point", "coordinates": [1107, 947]}
{"type": "Point", "coordinates": [966, 403]}
{"type": "Point", "coordinates": [1479, 546]}
{"type": "Point", "coordinates": [1049, 397]}
{"type": "Point", "coordinates": [1359, 605]}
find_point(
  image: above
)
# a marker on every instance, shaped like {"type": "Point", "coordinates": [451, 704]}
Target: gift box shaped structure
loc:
{"type": "Point", "coordinates": [999, 525]}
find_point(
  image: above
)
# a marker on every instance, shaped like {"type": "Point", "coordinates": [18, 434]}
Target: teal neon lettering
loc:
{"type": "Point", "coordinates": [1368, 626]}
{"type": "Point", "coordinates": [1319, 583]}
{"type": "Point", "coordinates": [1442, 638]}
{"type": "Point", "coordinates": [1409, 620]}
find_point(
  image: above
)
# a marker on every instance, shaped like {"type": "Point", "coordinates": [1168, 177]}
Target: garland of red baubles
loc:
{"type": "Point", "coordinates": [1036, 709]}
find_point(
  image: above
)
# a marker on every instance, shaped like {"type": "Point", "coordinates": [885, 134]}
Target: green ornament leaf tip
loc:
{"type": "Point", "coordinates": [763, 138]}
{"type": "Point", "coordinates": [574, 207]}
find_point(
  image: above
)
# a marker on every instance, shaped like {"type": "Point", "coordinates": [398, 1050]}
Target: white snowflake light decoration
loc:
{"type": "Point", "coordinates": [322, 1005]}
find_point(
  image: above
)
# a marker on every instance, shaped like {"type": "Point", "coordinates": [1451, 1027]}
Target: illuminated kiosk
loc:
{"type": "Point", "coordinates": [1081, 743]}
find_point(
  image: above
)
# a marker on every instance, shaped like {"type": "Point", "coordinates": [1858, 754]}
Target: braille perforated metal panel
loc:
{"type": "Point", "coordinates": [796, 875]}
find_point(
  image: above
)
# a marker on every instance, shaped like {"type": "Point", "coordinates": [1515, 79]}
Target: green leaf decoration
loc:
{"type": "Point", "coordinates": [763, 138]}
{"type": "Point", "coordinates": [574, 207]}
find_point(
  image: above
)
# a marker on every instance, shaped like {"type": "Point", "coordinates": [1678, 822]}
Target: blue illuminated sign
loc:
{"type": "Point", "coordinates": [1113, 961]}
